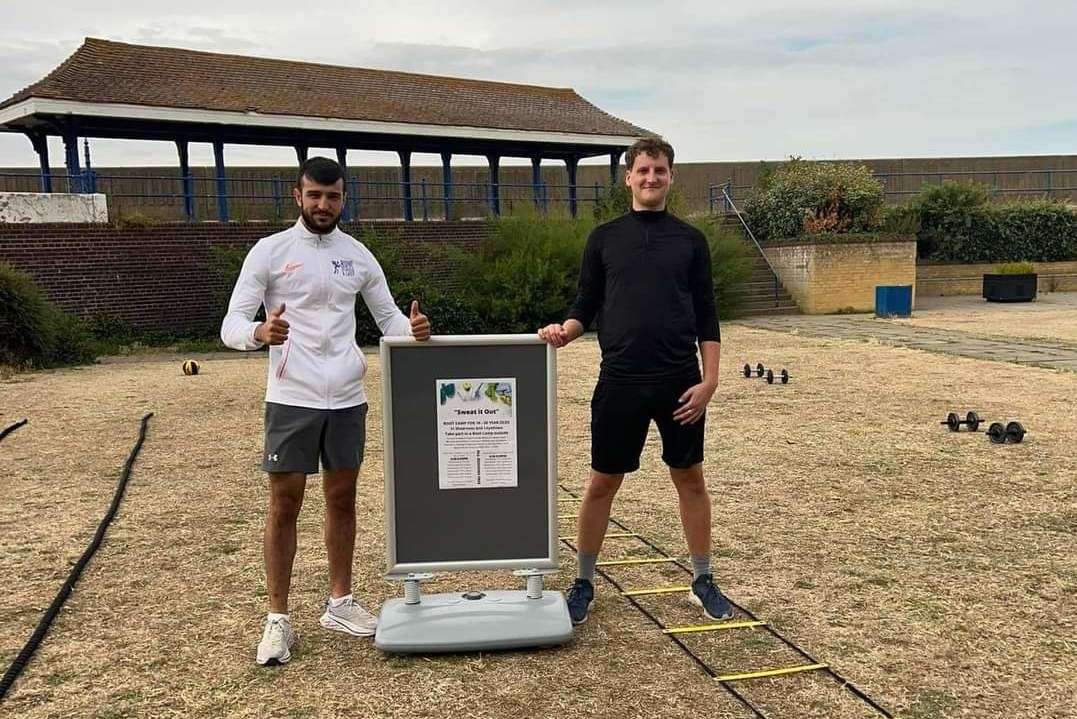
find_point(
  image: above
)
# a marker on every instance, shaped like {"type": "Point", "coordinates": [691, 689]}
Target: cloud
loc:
{"type": "Point", "coordinates": [834, 78]}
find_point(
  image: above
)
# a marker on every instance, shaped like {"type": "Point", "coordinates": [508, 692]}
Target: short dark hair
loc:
{"type": "Point", "coordinates": [320, 169]}
{"type": "Point", "coordinates": [653, 146]}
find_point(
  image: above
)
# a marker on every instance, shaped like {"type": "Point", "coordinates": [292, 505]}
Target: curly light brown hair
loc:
{"type": "Point", "coordinates": [654, 146]}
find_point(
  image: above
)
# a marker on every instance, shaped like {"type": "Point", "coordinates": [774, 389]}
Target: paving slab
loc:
{"type": "Point", "coordinates": [1042, 353]}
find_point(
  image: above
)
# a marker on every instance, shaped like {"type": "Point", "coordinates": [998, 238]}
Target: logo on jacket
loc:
{"type": "Point", "coordinates": [291, 266]}
{"type": "Point", "coordinates": [344, 267]}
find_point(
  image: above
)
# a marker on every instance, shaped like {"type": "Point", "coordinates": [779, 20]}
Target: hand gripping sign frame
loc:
{"type": "Point", "coordinates": [431, 525]}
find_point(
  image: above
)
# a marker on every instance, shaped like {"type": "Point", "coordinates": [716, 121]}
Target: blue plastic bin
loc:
{"type": "Point", "coordinates": [893, 301]}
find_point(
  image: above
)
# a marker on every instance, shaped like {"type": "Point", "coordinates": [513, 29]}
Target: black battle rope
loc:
{"type": "Point", "coordinates": [844, 683]}
{"type": "Point", "coordinates": [46, 621]}
{"type": "Point", "coordinates": [12, 428]}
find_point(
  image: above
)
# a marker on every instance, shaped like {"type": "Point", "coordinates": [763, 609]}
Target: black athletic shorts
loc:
{"type": "Point", "coordinates": [621, 415]}
{"type": "Point", "coordinates": [296, 438]}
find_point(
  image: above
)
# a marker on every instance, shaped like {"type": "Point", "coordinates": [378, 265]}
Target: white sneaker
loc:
{"type": "Point", "coordinates": [351, 617]}
{"type": "Point", "coordinates": [276, 645]}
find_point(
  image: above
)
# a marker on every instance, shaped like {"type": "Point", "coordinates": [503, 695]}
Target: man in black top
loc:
{"type": "Point", "coordinates": [647, 276]}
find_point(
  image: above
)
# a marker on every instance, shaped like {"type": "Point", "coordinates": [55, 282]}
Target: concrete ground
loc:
{"type": "Point", "coordinates": [1041, 333]}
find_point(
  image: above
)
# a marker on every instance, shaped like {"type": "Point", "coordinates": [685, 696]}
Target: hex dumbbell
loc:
{"type": "Point", "coordinates": [784, 376]}
{"type": "Point", "coordinates": [954, 423]}
{"type": "Point", "coordinates": [759, 369]}
{"type": "Point", "coordinates": [1013, 432]}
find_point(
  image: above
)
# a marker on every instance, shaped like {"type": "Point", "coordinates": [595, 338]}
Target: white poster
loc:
{"type": "Point", "coordinates": [476, 433]}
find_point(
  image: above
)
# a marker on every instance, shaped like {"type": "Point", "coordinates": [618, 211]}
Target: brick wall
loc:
{"type": "Point", "coordinates": [948, 280]}
{"type": "Point", "coordinates": [159, 277]}
{"type": "Point", "coordinates": [829, 278]}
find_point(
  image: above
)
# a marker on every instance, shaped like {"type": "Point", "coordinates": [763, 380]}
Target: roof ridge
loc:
{"type": "Point", "coordinates": [478, 81]}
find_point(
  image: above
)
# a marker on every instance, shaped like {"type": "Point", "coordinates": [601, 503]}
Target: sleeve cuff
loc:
{"type": "Point", "coordinates": [251, 341]}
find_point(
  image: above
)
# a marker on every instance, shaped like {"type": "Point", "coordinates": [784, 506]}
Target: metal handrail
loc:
{"type": "Point", "coordinates": [751, 235]}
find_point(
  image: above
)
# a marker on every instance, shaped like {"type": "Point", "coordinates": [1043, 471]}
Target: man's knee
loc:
{"type": "Point", "coordinates": [286, 495]}
{"type": "Point", "coordinates": [604, 486]}
{"type": "Point", "coordinates": [340, 490]}
{"type": "Point", "coordinates": [689, 480]}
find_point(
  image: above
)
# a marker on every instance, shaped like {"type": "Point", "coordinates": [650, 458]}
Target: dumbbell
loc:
{"type": "Point", "coordinates": [971, 419]}
{"type": "Point", "coordinates": [759, 369]}
{"type": "Point", "coordinates": [1012, 432]}
{"type": "Point", "coordinates": [784, 376]}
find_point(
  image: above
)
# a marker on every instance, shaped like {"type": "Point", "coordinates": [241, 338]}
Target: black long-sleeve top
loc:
{"type": "Point", "coordinates": [647, 277]}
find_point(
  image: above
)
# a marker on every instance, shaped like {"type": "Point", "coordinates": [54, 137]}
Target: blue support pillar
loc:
{"type": "Point", "coordinates": [405, 182]}
{"type": "Point", "coordinates": [536, 179]}
{"type": "Point", "coordinates": [301, 153]}
{"type": "Point", "coordinates": [342, 158]}
{"type": "Point", "coordinates": [40, 141]}
{"type": "Point", "coordinates": [571, 163]}
{"type": "Point", "coordinates": [222, 181]}
{"type": "Point", "coordinates": [71, 160]}
{"type": "Point", "coordinates": [89, 177]}
{"type": "Point", "coordinates": [446, 183]}
{"type": "Point", "coordinates": [495, 184]}
{"type": "Point", "coordinates": [615, 163]}
{"type": "Point", "coordinates": [188, 181]}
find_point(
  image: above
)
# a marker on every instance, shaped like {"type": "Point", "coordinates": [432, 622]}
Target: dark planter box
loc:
{"type": "Point", "coordinates": [1010, 288]}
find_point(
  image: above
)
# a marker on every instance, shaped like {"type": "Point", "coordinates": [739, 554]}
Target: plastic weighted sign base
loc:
{"type": "Point", "coordinates": [488, 620]}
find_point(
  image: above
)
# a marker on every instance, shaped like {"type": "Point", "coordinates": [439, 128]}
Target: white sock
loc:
{"type": "Point", "coordinates": [334, 603]}
{"type": "Point", "coordinates": [274, 616]}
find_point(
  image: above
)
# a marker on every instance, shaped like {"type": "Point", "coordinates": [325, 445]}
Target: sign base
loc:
{"type": "Point", "coordinates": [469, 621]}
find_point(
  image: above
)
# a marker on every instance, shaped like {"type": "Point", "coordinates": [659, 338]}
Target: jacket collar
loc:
{"type": "Point", "coordinates": [312, 237]}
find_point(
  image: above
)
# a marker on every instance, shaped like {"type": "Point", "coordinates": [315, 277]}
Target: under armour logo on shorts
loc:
{"type": "Point", "coordinates": [272, 457]}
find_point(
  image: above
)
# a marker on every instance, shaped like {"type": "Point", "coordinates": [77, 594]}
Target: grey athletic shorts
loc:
{"type": "Point", "coordinates": [297, 437]}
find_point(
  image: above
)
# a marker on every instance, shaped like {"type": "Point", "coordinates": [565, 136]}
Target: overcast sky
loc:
{"type": "Point", "coordinates": [722, 81]}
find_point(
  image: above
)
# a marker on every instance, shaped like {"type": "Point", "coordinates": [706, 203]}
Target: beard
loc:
{"type": "Point", "coordinates": [321, 224]}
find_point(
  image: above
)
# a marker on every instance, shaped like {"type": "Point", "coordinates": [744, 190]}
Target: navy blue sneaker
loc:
{"type": "Point", "coordinates": [704, 594]}
{"type": "Point", "coordinates": [580, 596]}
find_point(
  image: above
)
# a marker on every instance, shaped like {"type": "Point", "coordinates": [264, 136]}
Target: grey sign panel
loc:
{"type": "Point", "coordinates": [434, 529]}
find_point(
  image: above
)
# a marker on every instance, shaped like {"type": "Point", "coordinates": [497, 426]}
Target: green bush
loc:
{"type": "Point", "coordinates": [731, 265]}
{"type": "Point", "coordinates": [448, 313]}
{"type": "Point", "coordinates": [948, 213]}
{"type": "Point", "coordinates": [958, 224]}
{"type": "Point", "coordinates": [33, 332]}
{"type": "Point", "coordinates": [1015, 268]}
{"type": "Point", "coordinates": [900, 219]}
{"type": "Point", "coordinates": [525, 275]}
{"type": "Point", "coordinates": [800, 197]}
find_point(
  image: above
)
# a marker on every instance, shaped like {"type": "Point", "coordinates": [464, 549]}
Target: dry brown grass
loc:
{"type": "Point", "coordinates": [933, 570]}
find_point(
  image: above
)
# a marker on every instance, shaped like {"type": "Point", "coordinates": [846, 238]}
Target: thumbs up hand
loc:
{"type": "Point", "coordinates": [274, 331]}
{"type": "Point", "coordinates": [420, 324]}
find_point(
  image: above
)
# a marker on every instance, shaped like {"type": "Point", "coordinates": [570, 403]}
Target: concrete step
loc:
{"type": "Point", "coordinates": [761, 301]}
{"type": "Point", "coordinates": [746, 312]}
{"type": "Point", "coordinates": [764, 303]}
{"type": "Point", "coordinates": [766, 284]}
{"type": "Point", "coordinates": [765, 287]}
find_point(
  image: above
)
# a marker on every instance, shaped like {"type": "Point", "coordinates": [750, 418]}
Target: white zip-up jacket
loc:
{"type": "Point", "coordinates": [317, 278]}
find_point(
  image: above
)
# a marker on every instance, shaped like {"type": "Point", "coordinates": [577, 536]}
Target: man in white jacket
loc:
{"type": "Point", "coordinates": [307, 277]}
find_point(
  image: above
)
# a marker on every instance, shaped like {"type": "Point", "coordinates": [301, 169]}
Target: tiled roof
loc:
{"type": "Point", "coordinates": [102, 71]}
